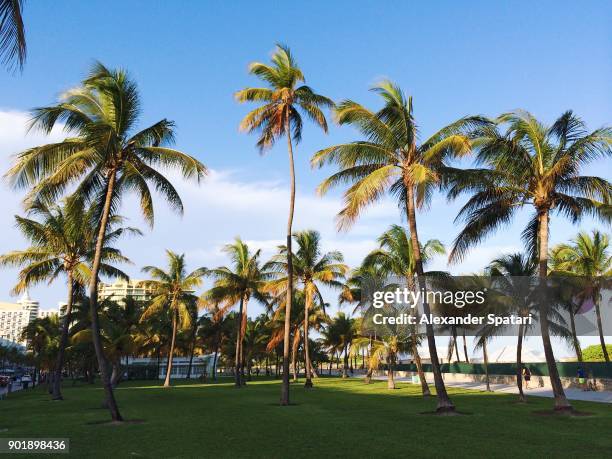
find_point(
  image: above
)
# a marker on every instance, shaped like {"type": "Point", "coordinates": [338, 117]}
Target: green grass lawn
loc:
{"type": "Point", "coordinates": [336, 419]}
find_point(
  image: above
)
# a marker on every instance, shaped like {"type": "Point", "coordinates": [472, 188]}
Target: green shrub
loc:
{"type": "Point", "coordinates": [594, 353]}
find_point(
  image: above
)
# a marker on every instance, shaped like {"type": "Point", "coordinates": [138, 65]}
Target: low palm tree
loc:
{"type": "Point", "coordinates": [530, 164]}
{"type": "Point", "coordinates": [173, 290]}
{"type": "Point", "coordinates": [214, 331]}
{"type": "Point", "coordinates": [12, 34]}
{"type": "Point", "coordinates": [588, 256]}
{"type": "Point", "coordinates": [105, 159]}
{"type": "Point", "coordinates": [395, 257]}
{"type": "Point", "coordinates": [312, 270]}
{"type": "Point", "coordinates": [285, 101]}
{"type": "Point", "coordinates": [42, 336]}
{"type": "Point", "coordinates": [390, 159]}
{"type": "Point", "coordinates": [237, 285]}
{"type": "Point", "coordinates": [339, 336]}
{"type": "Point", "coordinates": [513, 272]}
{"type": "Point", "coordinates": [62, 239]}
{"type": "Point", "coordinates": [385, 349]}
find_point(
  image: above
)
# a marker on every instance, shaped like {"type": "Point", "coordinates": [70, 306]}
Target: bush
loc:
{"type": "Point", "coordinates": [594, 353]}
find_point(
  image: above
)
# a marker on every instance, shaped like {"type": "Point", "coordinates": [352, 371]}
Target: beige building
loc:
{"type": "Point", "coordinates": [15, 316]}
{"type": "Point", "coordinates": [121, 289]}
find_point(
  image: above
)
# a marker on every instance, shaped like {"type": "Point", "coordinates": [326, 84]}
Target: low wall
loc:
{"type": "Point", "coordinates": [601, 384]}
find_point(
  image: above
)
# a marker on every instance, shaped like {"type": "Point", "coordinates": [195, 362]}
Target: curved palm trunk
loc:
{"type": "Point", "coordinates": [485, 356]}
{"type": "Point", "coordinates": [444, 402]}
{"type": "Point", "coordinates": [561, 402]}
{"type": "Point", "coordinates": [519, 364]}
{"type": "Point", "coordinates": [465, 351]}
{"type": "Point", "coordinates": [110, 401]}
{"type": "Point", "coordinates": [284, 401]}
{"type": "Point", "coordinates": [602, 341]}
{"type": "Point", "coordinates": [308, 365]}
{"type": "Point", "coordinates": [57, 380]}
{"type": "Point", "coordinates": [238, 358]}
{"type": "Point", "coordinates": [171, 353]}
{"type": "Point", "coordinates": [456, 344]}
{"type": "Point", "coordinates": [116, 373]}
{"type": "Point", "coordinates": [417, 359]}
{"type": "Point", "coordinates": [575, 340]}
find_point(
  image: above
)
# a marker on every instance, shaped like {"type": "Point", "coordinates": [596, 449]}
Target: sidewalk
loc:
{"type": "Point", "coordinates": [572, 394]}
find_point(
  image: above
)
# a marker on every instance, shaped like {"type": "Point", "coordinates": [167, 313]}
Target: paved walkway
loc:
{"type": "Point", "coordinates": [572, 394]}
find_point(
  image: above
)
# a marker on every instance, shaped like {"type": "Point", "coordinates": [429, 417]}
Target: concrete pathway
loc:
{"type": "Point", "coordinates": [572, 394]}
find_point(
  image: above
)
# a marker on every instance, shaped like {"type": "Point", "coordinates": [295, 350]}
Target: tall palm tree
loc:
{"type": "Point", "coordinates": [588, 256]}
{"type": "Point", "coordinates": [173, 290]}
{"type": "Point", "coordinates": [12, 34]}
{"type": "Point", "coordinates": [312, 270]}
{"type": "Point", "coordinates": [389, 159]}
{"type": "Point", "coordinates": [285, 100]}
{"type": "Point", "coordinates": [106, 158]}
{"type": "Point", "coordinates": [534, 165]}
{"type": "Point", "coordinates": [237, 285]}
{"type": "Point", "coordinates": [62, 239]}
{"type": "Point", "coordinates": [396, 257]}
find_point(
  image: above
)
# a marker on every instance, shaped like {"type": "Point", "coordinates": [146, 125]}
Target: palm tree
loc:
{"type": "Point", "coordinates": [588, 256]}
{"type": "Point", "coordinates": [284, 102]}
{"type": "Point", "coordinates": [213, 330]}
{"type": "Point", "coordinates": [107, 158]}
{"type": "Point", "coordinates": [316, 319]}
{"type": "Point", "coordinates": [42, 337]}
{"type": "Point", "coordinates": [532, 164]}
{"type": "Point", "coordinates": [339, 335]}
{"type": "Point", "coordinates": [514, 272]}
{"type": "Point", "coordinates": [237, 285]}
{"type": "Point", "coordinates": [173, 290]}
{"type": "Point", "coordinates": [385, 349]}
{"type": "Point", "coordinates": [311, 270]}
{"type": "Point", "coordinates": [12, 34]}
{"type": "Point", "coordinates": [62, 239]}
{"type": "Point", "coordinates": [396, 257]}
{"type": "Point", "coordinates": [389, 159]}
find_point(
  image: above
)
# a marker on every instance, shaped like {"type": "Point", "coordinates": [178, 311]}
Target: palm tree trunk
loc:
{"type": "Point", "coordinates": [485, 356]}
{"type": "Point", "coordinates": [242, 333]}
{"type": "Point", "coordinates": [294, 351]}
{"type": "Point", "coordinates": [57, 381]}
{"type": "Point", "coordinates": [519, 364]}
{"type": "Point", "coordinates": [444, 402]}
{"type": "Point", "coordinates": [561, 402]}
{"type": "Point", "coordinates": [417, 359]}
{"type": "Point", "coordinates": [308, 365]}
{"type": "Point", "coordinates": [214, 368]}
{"type": "Point", "coordinates": [574, 336]}
{"type": "Point", "coordinates": [602, 341]}
{"type": "Point", "coordinates": [110, 401]}
{"type": "Point", "coordinates": [345, 365]}
{"type": "Point", "coordinates": [172, 344]}
{"type": "Point", "coordinates": [284, 401]}
{"type": "Point", "coordinates": [192, 350]}
{"type": "Point", "coordinates": [456, 344]}
{"type": "Point", "coordinates": [238, 359]}
{"type": "Point", "coordinates": [465, 351]}
{"type": "Point", "coordinates": [390, 379]}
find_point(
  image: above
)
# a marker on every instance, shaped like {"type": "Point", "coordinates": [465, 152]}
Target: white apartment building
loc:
{"type": "Point", "coordinates": [15, 316]}
{"type": "Point", "coordinates": [121, 289]}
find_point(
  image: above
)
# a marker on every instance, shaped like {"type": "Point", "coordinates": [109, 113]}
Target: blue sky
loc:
{"type": "Point", "coordinates": [454, 58]}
